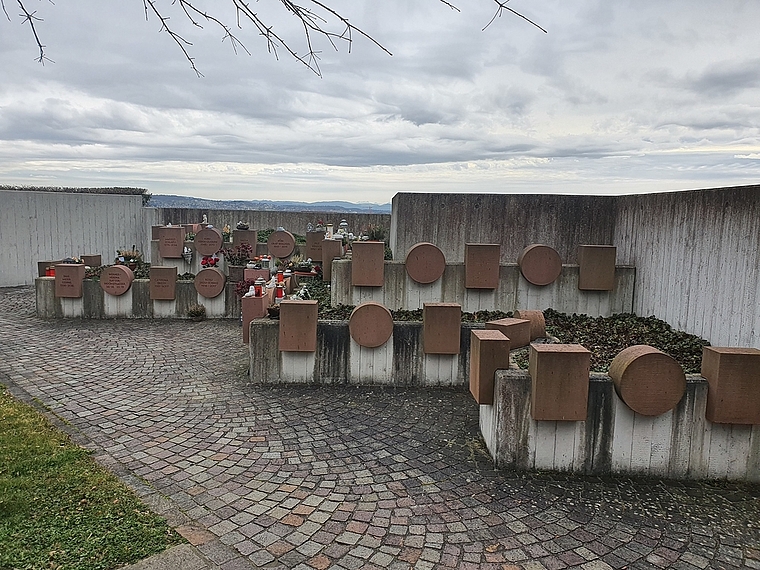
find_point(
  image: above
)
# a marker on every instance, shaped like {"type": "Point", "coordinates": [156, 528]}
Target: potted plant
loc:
{"type": "Point", "coordinates": [196, 312]}
{"type": "Point", "coordinates": [132, 258]}
{"type": "Point", "coordinates": [237, 257]}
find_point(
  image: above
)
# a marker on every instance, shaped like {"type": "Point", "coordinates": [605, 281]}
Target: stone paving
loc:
{"type": "Point", "coordinates": [341, 477]}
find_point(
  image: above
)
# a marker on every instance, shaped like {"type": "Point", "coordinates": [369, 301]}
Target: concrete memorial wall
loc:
{"type": "Point", "coordinates": [400, 291]}
{"type": "Point", "coordinates": [697, 253]}
{"type": "Point", "coordinates": [680, 443]}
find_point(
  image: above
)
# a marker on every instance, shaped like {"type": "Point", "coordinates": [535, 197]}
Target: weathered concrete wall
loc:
{"type": "Point", "coordinates": [696, 253]}
{"type": "Point", "coordinates": [38, 226]}
{"type": "Point", "coordinates": [340, 360]}
{"type": "Point", "coordinates": [513, 292]}
{"type": "Point", "coordinates": [512, 220]}
{"type": "Point", "coordinates": [679, 444]}
{"type": "Point", "coordinates": [697, 258]}
{"type": "Point", "coordinates": [134, 304]}
{"type": "Point", "coordinates": [294, 222]}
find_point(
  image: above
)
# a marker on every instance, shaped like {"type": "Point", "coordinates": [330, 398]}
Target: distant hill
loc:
{"type": "Point", "coordinates": [166, 201]}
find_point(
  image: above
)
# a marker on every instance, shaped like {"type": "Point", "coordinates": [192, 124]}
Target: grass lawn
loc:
{"type": "Point", "coordinates": [59, 509]}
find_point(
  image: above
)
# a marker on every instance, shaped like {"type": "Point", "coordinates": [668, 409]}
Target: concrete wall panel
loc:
{"type": "Point", "coordinates": [697, 258]}
{"type": "Point", "coordinates": [35, 226]}
{"type": "Point", "coordinates": [679, 444]}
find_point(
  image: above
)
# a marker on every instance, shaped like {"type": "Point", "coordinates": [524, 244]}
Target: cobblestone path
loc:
{"type": "Point", "coordinates": [340, 477]}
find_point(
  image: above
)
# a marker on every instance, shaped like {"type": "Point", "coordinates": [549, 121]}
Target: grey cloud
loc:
{"type": "Point", "coordinates": [726, 78]}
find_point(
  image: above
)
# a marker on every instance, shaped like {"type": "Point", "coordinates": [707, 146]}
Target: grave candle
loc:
{"type": "Point", "coordinates": [259, 286]}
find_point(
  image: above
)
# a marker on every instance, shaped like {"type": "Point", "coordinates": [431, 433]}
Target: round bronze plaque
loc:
{"type": "Point", "coordinates": [540, 264]}
{"type": "Point", "coordinates": [116, 279]}
{"type": "Point", "coordinates": [210, 282]}
{"type": "Point", "coordinates": [281, 243]}
{"type": "Point", "coordinates": [208, 241]}
{"type": "Point", "coordinates": [649, 381]}
{"type": "Point", "coordinates": [370, 325]}
{"type": "Point", "coordinates": [425, 263]}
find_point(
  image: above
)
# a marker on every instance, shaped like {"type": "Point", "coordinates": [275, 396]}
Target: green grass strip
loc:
{"type": "Point", "coordinates": [59, 509]}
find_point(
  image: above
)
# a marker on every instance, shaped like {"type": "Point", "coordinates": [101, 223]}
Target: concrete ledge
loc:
{"type": "Point", "coordinates": [680, 444]}
{"type": "Point", "coordinates": [340, 360]}
{"type": "Point", "coordinates": [399, 291]}
{"type": "Point", "coordinates": [134, 304]}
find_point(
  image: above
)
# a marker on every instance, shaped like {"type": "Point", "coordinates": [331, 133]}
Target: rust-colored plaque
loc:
{"type": "Point", "coordinates": [649, 381]}
{"type": "Point", "coordinates": [68, 280]}
{"type": "Point", "coordinates": [733, 378]}
{"type": "Point", "coordinates": [208, 241]}
{"type": "Point", "coordinates": [92, 259]}
{"type": "Point", "coordinates": [596, 267]}
{"type": "Point", "coordinates": [163, 283]}
{"type": "Point", "coordinates": [171, 241]}
{"type": "Point", "coordinates": [367, 264]}
{"type": "Point", "coordinates": [239, 237]}
{"type": "Point", "coordinates": [425, 263]}
{"type": "Point", "coordinates": [371, 324]}
{"type": "Point", "coordinates": [314, 245]}
{"type": "Point", "coordinates": [559, 376]}
{"type": "Point", "coordinates": [516, 330]}
{"type": "Point", "coordinates": [298, 326]}
{"type": "Point", "coordinates": [540, 264]}
{"type": "Point", "coordinates": [537, 322]}
{"type": "Point", "coordinates": [210, 282]}
{"type": "Point", "coordinates": [281, 243]}
{"type": "Point", "coordinates": [441, 328]}
{"type": "Point", "coordinates": [116, 279]}
{"type": "Point", "coordinates": [481, 265]}
{"type": "Point", "coordinates": [489, 352]}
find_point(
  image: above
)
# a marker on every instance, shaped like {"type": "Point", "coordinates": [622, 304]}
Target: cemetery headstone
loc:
{"type": "Point", "coordinates": [163, 283]}
{"type": "Point", "coordinates": [171, 241]}
{"type": "Point", "coordinates": [370, 324]}
{"type": "Point", "coordinates": [281, 243]}
{"type": "Point", "coordinates": [209, 282]}
{"type": "Point", "coordinates": [481, 265]}
{"type": "Point", "coordinates": [425, 263]}
{"type": "Point", "coordinates": [116, 279]}
{"type": "Point", "coordinates": [208, 241]}
{"type": "Point", "coordinates": [68, 280]}
{"type": "Point", "coordinates": [540, 264]}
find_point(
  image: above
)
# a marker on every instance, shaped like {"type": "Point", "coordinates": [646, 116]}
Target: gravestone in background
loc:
{"type": "Point", "coordinates": [116, 279]}
{"type": "Point", "coordinates": [210, 282]}
{"type": "Point", "coordinates": [208, 241]}
{"type": "Point", "coordinates": [425, 263]}
{"type": "Point", "coordinates": [163, 283]}
{"type": "Point", "coordinates": [171, 242]}
{"type": "Point", "coordinates": [68, 280]}
{"type": "Point", "coordinates": [481, 265]}
{"type": "Point", "coordinates": [367, 263]}
{"type": "Point", "coordinates": [281, 244]}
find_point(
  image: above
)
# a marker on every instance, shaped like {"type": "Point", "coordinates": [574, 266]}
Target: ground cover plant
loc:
{"type": "Point", "coordinates": [59, 509]}
{"type": "Point", "coordinates": [605, 337]}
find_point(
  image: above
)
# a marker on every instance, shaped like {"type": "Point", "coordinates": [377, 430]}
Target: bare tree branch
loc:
{"type": "Point", "coordinates": [30, 18]}
{"type": "Point", "coordinates": [317, 19]}
{"type": "Point", "coordinates": [179, 40]}
{"type": "Point", "coordinates": [501, 7]}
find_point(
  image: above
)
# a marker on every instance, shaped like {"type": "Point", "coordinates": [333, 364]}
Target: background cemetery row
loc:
{"type": "Point", "coordinates": [696, 253]}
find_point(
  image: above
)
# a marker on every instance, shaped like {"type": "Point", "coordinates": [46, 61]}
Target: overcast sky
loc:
{"type": "Point", "coordinates": [618, 97]}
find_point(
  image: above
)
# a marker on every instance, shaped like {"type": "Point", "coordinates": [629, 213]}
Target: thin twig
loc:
{"type": "Point", "coordinates": [501, 6]}
{"type": "Point", "coordinates": [179, 40]}
{"type": "Point", "coordinates": [29, 18]}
